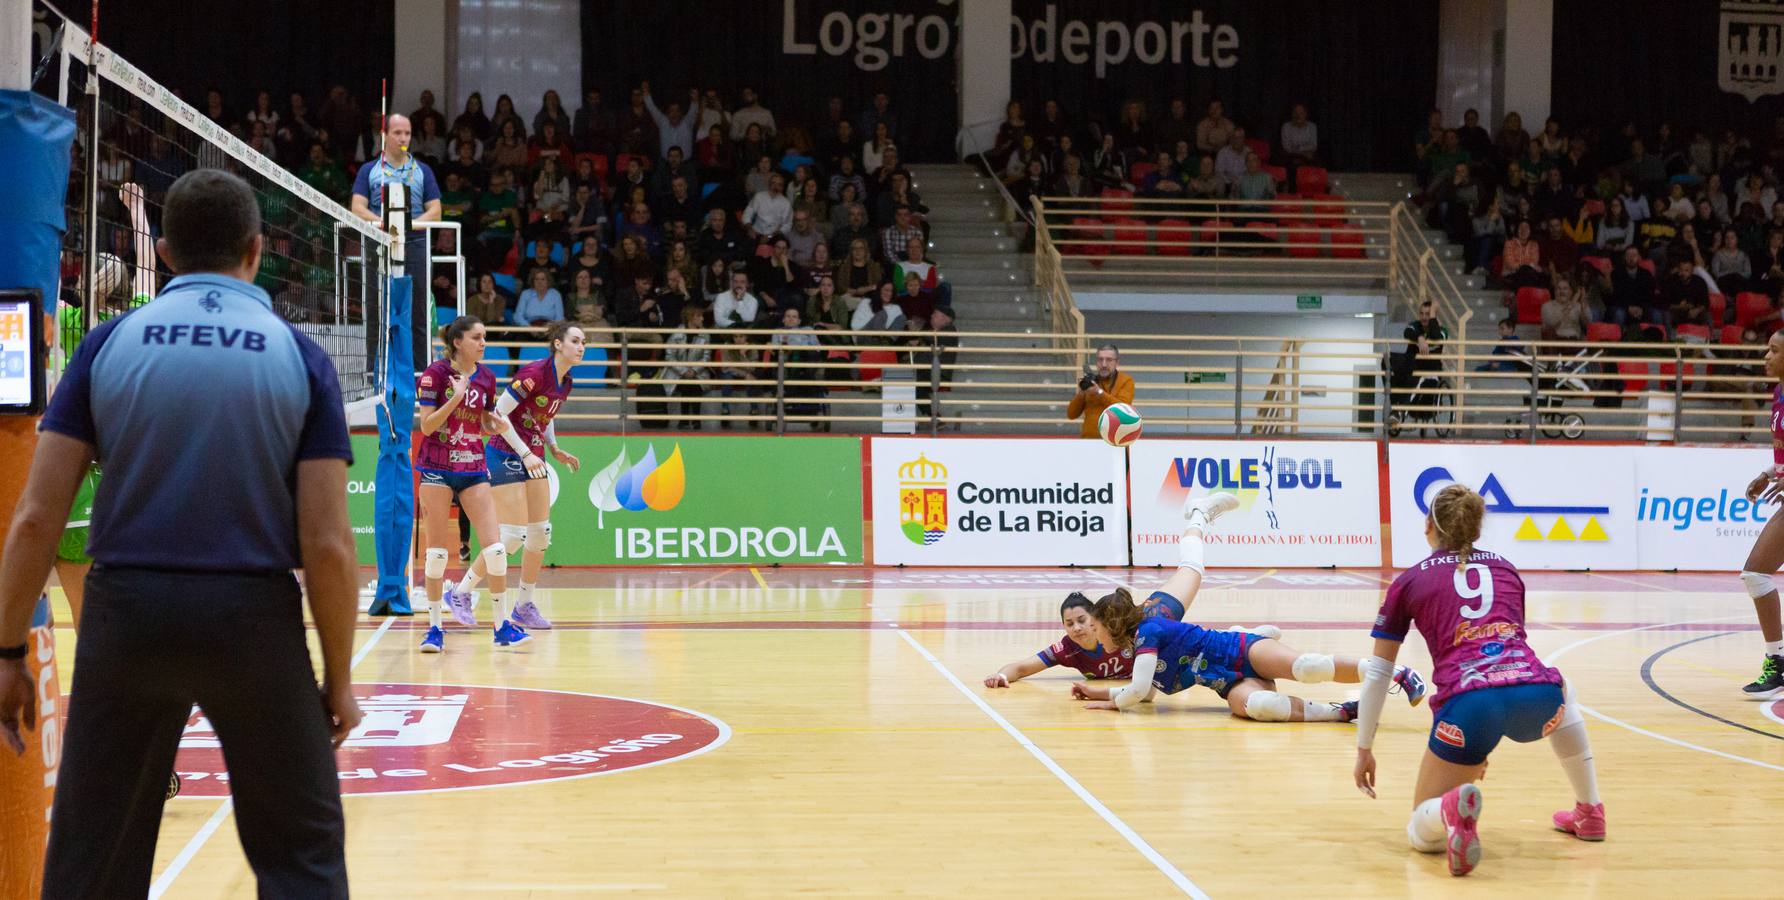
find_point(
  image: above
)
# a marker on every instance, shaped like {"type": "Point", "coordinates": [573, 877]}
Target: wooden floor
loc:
{"type": "Point", "coordinates": [830, 736]}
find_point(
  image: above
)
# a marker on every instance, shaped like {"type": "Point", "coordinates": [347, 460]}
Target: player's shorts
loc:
{"type": "Point", "coordinates": [506, 468]}
{"type": "Point", "coordinates": [74, 538]}
{"type": "Point", "coordinates": [457, 481]}
{"type": "Point", "coordinates": [1237, 667]}
{"type": "Point", "coordinates": [1471, 724]}
{"type": "Point", "coordinates": [1163, 604]}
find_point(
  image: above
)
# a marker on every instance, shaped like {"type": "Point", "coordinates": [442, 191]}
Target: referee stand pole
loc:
{"type": "Point", "coordinates": [35, 137]}
{"type": "Point", "coordinates": [394, 524]}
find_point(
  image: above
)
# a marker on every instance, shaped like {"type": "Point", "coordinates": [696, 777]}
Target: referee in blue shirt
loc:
{"type": "Point", "coordinates": [395, 164]}
{"type": "Point", "coordinates": [225, 450]}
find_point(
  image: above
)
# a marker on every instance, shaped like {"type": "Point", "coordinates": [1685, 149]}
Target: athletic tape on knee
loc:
{"type": "Point", "coordinates": [1372, 667]}
{"type": "Point", "coordinates": [1419, 842]}
{"type": "Point", "coordinates": [1192, 553]}
{"type": "Point", "coordinates": [495, 560]}
{"type": "Point", "coordinates": [1313, 668]}
{"type": "Point", "coordinates": [435, 567]}
{"type": "Point", "coordinates": [1758, 584]}
{"type": "Point", "coordinates": [1269, 706]}
{"type": "Point", "coordinates": [513, 536]}
{"type": "Point", "coordinates": [538, 536]}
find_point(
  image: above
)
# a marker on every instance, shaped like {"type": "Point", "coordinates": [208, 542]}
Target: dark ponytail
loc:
{"type": "Point", "coordinates": [455, 331]}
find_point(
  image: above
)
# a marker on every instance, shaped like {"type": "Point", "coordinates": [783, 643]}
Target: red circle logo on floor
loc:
{"type": "Point", "coordinates": [1774, 711]}
{"type": "Point", "coordinates": [418, 737]}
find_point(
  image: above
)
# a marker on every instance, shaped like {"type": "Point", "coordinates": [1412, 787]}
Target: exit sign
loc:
{"type": "Point", "coordinates": [1308, 301]}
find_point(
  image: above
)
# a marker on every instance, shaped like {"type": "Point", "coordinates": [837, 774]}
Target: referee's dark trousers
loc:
{"type": "Point", "coordinates": [153, 643]}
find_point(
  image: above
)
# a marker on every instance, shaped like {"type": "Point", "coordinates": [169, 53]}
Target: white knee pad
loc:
{"type": "Point", "coordinates": [1419, 843]}
{"type": "Point", "coordinates": [513, 536]}
{"type": "Point", "coordinates": [495, 560]}
{"type": "Point", "coordinates": [1571, 714]}
{"type": "Point", "coordinates": [538, 536]}
{"type": "Point", "coordinates": [1374, 667]}
{"type": "Point", "coordinates": [1758, 584]}
{"type": "Point", "coordinates": [1269, 706]}
{"type": "Point", "coordinates": [435, 567]}
{"type": "Point", "coordinates": [1313, 668]}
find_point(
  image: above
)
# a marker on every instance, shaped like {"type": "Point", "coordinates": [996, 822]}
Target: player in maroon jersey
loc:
{"type": "Point", "coordinates": [1469, 606]}
{"type": "Point", "coordinates": [1768, 549]}
{"type": "Point", "coordinates": [517, 472]}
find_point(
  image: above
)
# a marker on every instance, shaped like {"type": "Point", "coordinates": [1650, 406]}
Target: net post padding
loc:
{"type": "Point", "coordinates": [395, 486]}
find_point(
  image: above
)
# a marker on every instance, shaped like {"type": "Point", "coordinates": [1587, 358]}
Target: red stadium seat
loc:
{"type": "Point", "coordinates": [1209, 235]}
{"type": "Point", "coordinates": [1530, 301]}
{"type": "Point", "coordinates": [1594, 208]}
{"type": "Point", "coordinates": [875, 358]}
{"type": "Point", "coordinates": [1731, 334]}
{"type": "Point", "coordinates": [1328, 208]}
{"type": "Point", "coordinates": [1631, 384]}
{"type": "Point", "coordinates": [621, 161]}
{"type": "Point", "coordinates": [599, 160]}
{"type": "Point", "coordinates": [1648, 264]}
{"type": "Point", "coordinates": [1497, 265]}
{"type": "Point", "coordinates": [1140, 170]}
{"type": "Point", "coordinates": [1347, 242]}
{"type": "Point", "coordinates": [1603, 331]}
{"type": "Point", "coordinates": [1749, 307]}
{"type": "Point", "coordinates": [1084, 228]}
{"type": "Point", "coordinates": [1701, 332]}
{"type": "Point", "coordinates": [1277, 174]}
{"type": "Point", "coordinates": [1265, 233]}
{"type": "Point", "coordinates": [1312, 180]}
{"type": "Point", "coordinates": [1303, 240]}
{"type": "Point", "coordinates": [1259, 146]}
{"type": "Point", "coordinates": [1174, 230]}
{"type": "Point", "coordinates": [1131, 238]}
{"type": "Point", "coordinates": [1117, 200]}
{"type": "Point", "coordinates": [1600, 263]}
{"type": "Point", "coordinates": [1718, 306]}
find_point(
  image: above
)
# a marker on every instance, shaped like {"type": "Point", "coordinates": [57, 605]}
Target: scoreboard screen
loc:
{"type": "Point", "coordinates": [21, 353]}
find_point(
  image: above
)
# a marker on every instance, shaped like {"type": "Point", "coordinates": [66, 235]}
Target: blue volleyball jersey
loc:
{"type": "Point", "coordinates": [1190, 655]}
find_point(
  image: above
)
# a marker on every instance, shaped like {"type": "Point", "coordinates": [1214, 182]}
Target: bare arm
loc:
{"type": "Point", "coordinates": [431, 421]}
{"type": "Point", "coordinates": [325, 545]}
{"type": "Point", "coordinates": [430, 212]}
{"type": "Point", "coordinates": [1015, 672]}
{"type": "Point", "coordinates": [1377, 672]}
{"type": "Point", "coordinates": [363, 209]}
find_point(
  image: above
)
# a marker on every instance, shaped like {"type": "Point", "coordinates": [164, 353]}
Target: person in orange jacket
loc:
{"type": "Point", "coordinates": [1098, 391]}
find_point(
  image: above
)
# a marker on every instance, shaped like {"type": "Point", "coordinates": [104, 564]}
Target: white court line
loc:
{"type": "Point", "coordinates": [1177, 877]}
{"type": "Point", "coordinates": [166, 878]}
{"type": "Point", "coordinates": [1555, 656]}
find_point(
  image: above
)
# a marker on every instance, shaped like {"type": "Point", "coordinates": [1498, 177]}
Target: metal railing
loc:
{"type": "Point", "coordinates": [1184, 385]}
{"type": "Point", "coordinates": [1050, 280]}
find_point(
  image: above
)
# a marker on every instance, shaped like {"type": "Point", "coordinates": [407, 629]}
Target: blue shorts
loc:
{"type": "Point", "coordinates": [1471, 724]}
{"type": "Point", "coordinates": [505, 468]}
{"type": "Point", "coordinates": [457, 481]}
{"type": "Point", "coordinates": [1163, 604]}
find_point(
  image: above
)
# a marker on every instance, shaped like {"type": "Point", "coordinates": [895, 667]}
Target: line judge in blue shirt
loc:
{"type": "Point", "coordinates": [396, 165]}
{"type": "Point", "coordinates": [224, 443]}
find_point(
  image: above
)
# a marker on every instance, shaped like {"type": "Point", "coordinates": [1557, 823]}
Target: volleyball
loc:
{"type": "Point", "coordinates": [1119, 425]}
{"type": "Point", "coordinates": [109, 274]}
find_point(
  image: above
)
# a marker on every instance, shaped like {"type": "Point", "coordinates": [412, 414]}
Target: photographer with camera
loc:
{"type": "Point", "coordinates": [1099, 389]}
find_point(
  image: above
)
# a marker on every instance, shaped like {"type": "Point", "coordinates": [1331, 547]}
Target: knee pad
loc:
{"type": "Point", "coordinates": [435, 567]}
{"type": "Point", "coordinates": [538, 536]}
{"type": "Point", "coordinates": [1313, 668]}
{"type": "Point", "coordinates": [495, 560]}
{"type": "Point", "coordinates": [1419, 843]}
{"type": "Point", "coordinates": [513, 536]}
{"type": "Point", "coordinates": [1374, 667]}
{"type": "Point", "coordinates": [1758, 584]}
{"type": "Point", "coordinates": [1570, 713]}
{"type": "Point", "coordinates": [1269, 706]}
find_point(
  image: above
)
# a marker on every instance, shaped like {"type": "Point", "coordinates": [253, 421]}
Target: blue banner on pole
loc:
{"type": "Point", "coordinates": [395, 490]}
{"type": "Point", "coordinates": [35, 137]}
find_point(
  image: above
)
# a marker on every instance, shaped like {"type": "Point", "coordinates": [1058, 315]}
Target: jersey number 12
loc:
{"type": "Point", "coordinates": [1484, 592]}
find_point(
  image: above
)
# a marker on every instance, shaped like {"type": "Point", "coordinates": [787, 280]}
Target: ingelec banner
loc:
{"type": "Point", "coordinates": [1301, 503]}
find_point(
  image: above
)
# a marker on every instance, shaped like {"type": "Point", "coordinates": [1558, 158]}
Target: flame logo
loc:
{"type": "Point", "coordinates": [639, 486]}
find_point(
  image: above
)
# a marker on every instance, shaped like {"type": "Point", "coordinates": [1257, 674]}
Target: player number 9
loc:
{"type": "Point", "coordinates": [1484, 592]}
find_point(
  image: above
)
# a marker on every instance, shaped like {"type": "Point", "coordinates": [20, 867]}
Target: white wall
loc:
{"type": "Point", "coordinates": [1164, 393]}
{"type": "Point", "coordinates": [1529, 52]}
{"type": "Point", "coordinates": [421, 56]}
{"type": "Point", "coordinates": [521, 49]}
{"type": "Point", "coordinates": [1466, 70]}
{"type": "Point", "coordinates": [983, 57]}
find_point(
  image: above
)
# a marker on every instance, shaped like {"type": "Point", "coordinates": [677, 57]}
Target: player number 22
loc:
{"type": "Point", "coordinates": [1484, 592]}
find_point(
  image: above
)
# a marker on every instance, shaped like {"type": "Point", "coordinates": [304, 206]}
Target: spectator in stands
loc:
{"type": "Point", "coordinates": [487, 304]}
{"type": "Point", "coordinates": [1422, 357]}
{"type": "Point", "coordinates": [769, 212]}
{"type": "Point", "coordinates": [813, 201]}
{"type": "Point", "coordinates": [1229, 163]}
{"type": "Point", "coordinates": [1161, 183]}
{"type": "Point", "coordinates": [820, 266]}
{"type": "Point", "coordinates": [1474, 138]}
{"type": "Point", "coordinates": [879, 110]}
{"type": "Point", "coordinates": [498, 215]}
{"type": "Point", "coordinates": [715, 156]}
{"type": "Point", "coordinates": [322, 174]}
{"type": "Point", "coordinates": [1730, 265]}
{"type": "Point", "coordinates": [1099, 389]}
{"type": "Point", "coordinates": [505, 112]}
{"type": "Point", "coordinates": [473, 116]}
{"type": "Point", "coordinates": [1255, 184]}
{"type": "Point", "coordinates": [463, 160]}
{"type": "Point", "coordinates": [1534, 165]}
{"type": "Point", "coordinates": [678, 204]}
{"type": "Point", "coordinates": [1107, 166]}
{"type": "Point", "coordinates": [541, 260]}
{"type": "Point", "coordinates": [677, 292]}
{"type": "Point", "coordinates": [1008, 139]}
{"type": "Point", "coordinates": [1683, 295]}
{"type": "Point", "coordinates": [508, 150]}
{"type": "Point", "coordinates": [1487, 237]}
{"type": "Point", "coordinates": [1174, 129]}
{"type": "Point", "coordinates": [687, 354]}
{"type": "Point", "coordinates": [551, 200]}
{"type": "Point", "coordinates": [1052, 130]}
{"type": "Point", "coordinates": [1755, 190]}
{"type": "Point", "coordinates": [590, 258]}
{"type": "Point", "coordinates": [540, 303]}
{"type": "Point", "coordinates": [946, 346]}
{"type": "Point", "coordinates": [594, 127]}
{"type": "Point", "coordinates": [897, 236]}
{"type": "Point", "coordinates": [637, 130]}
{"type": "Point", "coordinates": [1427, 142]}
{"type": "Point", "coordinates": [879, 312]}
{"type": "Point", "coordinates": [1300, 144]}
{"type": "Point", "coordinates": [751, 112]}
{"type": "Point", "coordinates": [675, 128]}
{"type": "Point", "coordinates": [1214, 130]}
{"type": "Point", "coordinates": [1679, 207]}
{"type": "Point", "coordinates": [890, 165]}
{"type": "Point", "coordinates": [1512, 140]}
{"type": "Point", "coordinates": [859, 274]}
{"type": "Point", "coordinates": [585, 303]}
{"type": "Point", "coordinates": [803, 238]}
{"type": "Point", "coordinates": [1072, 182]}
{"type": "Point", "coordinates": [1657, 232]}
{"type": "Point", "coordinates": [341, 118]}
{"type": "Point", "coordinates": [1564, 315]}
{"type": "Point", "coordinates": [1206, 185]}
{"type": "Point", "coordinates": [551, 109]}
{"type": "Point", "coordinates": [1443, 160]}
{"type": "Point", "coordinates": [848, 221]}
{"type": "Point", "coordinates": [1560, 253]}
{"type": "Point", "coordinates": [1632, 290]}
{"type": "Point", "coordinates": [1635, 203]}
{"type": "Point", "coordinates": [458, 204]}
{"type": "Point", "coordinates": [429, 143]}
{"type": "Point", "coordinates": [1133, 136]}
{"type": "Point", "coordinates": [588, 216]}
{"type": "Point", "coordinates": [826, 310]}
{"type": "Point", "coordinates": [629, 259]}
{"type": "Point", "coordinates": [838, 144]}
{"type": "Point", "coordinates": [1027, 151]}
{"type": "Point", "coordinates": [549, 142]}
{"type": "Point", "coordinates": [846, 175]}
{"type": "Point", "coordinates": [1553, 198]}
{"type": "Point", "coordinates": [638, 305]}
{"type": "Point", "coordinates": [737, 307]}
{"type": "Point", "coordinates": [638, 223]}
{"type": "Point", "coordinates": [1644, 169]}
{"type": "Point", "coordinates": [1509, 346]}
{"type": "Point", "coordinates": [932, 286]}
{"type": "Point", "coordinates": [718, 239]}
{"type": "Point", "coordinates": [1454, 200]}
{"type": "Point", "coordinates": [1615, 231]}
{"type": "Point", "coordinates": [777, 280]}
{"type": "Point", "coordinates": [1522, 263]}
{"type": "Point", "coordinates": [1768, 265]}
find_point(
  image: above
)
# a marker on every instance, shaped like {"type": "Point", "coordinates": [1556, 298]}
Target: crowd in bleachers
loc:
{"type": "Point", "coordinates": [1614, 234]}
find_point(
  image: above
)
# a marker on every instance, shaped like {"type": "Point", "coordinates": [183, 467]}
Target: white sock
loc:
{"type": "Point", "coordinates": [499, 606]}
{"type": "Point", "coordinates": [526, 592]}
{"type": "Point", "coordinates": [433, 612]}
{"type": "Point", "coordinates": [468, 584]}
{"type": "Point", "coordinates": [1774, 648]}
{"type": "Point", "coordinates": [1190, 550]}
{"type": "Point", "coordinates": [1313, 711]}
{"type": "Point", "coordinates": [1426, 829]}
{"type": "Point", "coordinates": [1574, 752]}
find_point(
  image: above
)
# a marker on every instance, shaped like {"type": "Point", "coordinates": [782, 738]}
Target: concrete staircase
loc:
{"type": "Point", "coordinates": [1488, 304]}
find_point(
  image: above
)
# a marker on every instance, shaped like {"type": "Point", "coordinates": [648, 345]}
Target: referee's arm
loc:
{"type": "Point", "coordinates": [325, 546]}
{"type": "Point", "coordinates": [56, 471]}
